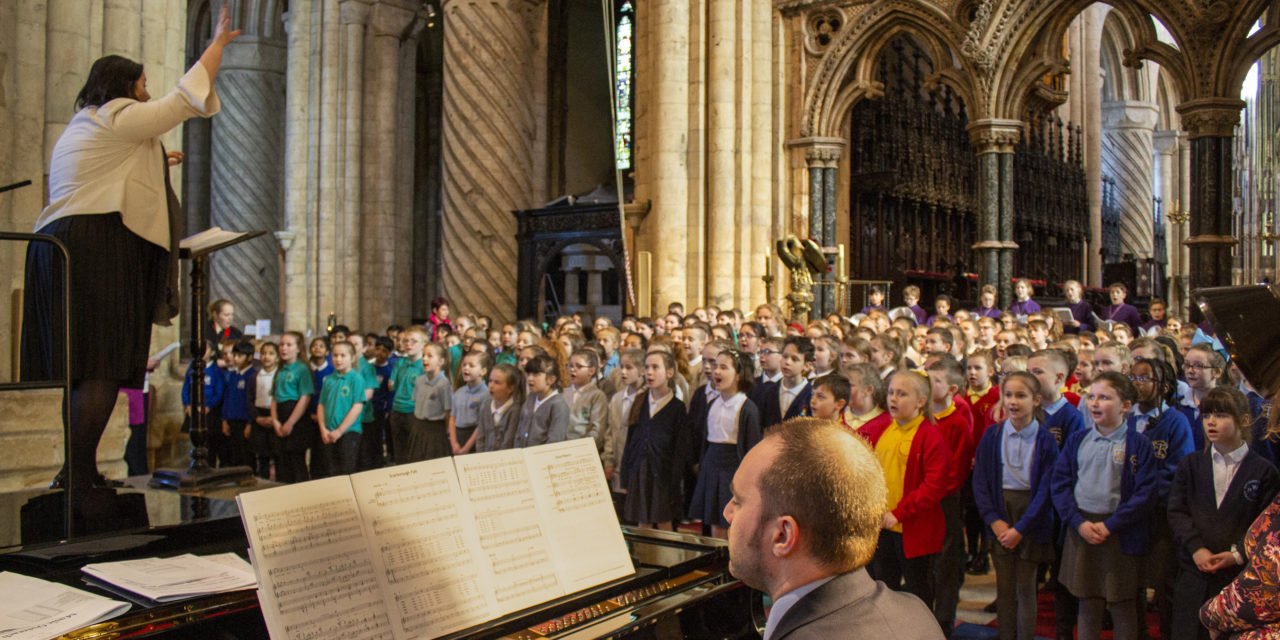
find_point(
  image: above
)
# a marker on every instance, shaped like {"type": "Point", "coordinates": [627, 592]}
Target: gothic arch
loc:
{"type": "Point", "coordinates": [1120, 82]}
{"type": "Point", "coordinates": [846, 74]}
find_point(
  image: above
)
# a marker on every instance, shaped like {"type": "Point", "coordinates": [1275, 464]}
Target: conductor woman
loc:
{"type": "Point", "coordinates": [111, 204]}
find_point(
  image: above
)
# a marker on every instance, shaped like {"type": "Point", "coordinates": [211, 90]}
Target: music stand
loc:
{"type": "Point", "coordinates": [199, 475]}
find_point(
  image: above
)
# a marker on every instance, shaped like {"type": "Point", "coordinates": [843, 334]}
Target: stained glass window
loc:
{"type": "Point", "coordinates": [623, 81]}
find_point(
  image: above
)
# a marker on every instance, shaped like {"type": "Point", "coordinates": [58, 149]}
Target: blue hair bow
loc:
{"type": "Point", "coordinates": [1214, 343]}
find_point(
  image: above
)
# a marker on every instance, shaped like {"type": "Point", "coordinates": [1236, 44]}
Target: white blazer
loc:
{"type": "Point", "coordinates": [109, 157]}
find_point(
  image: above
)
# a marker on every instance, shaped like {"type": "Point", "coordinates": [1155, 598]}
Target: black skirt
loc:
{"type": "Point", "coordinates": [117, 278]}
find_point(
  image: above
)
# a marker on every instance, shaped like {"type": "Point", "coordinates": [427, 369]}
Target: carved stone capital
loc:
{"type": "Point", "coordinates": [818, 151]}
{"type": "Point", "coordinates": [994, 135]}
{"type": "Point", "coordinates": [1166, 142]}
{"type": "Point", "coordinates": [354, 11]}
{"type": "Point", "coordinates": [390, 19]}
{"type": "Point", "coordinates": [1216, 117]}
{"type": "Point", "coordinates": [1130, 114]}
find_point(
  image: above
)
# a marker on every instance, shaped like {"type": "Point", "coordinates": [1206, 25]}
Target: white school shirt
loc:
{"type": "Point", "coordinates": [787, 395]}
{"type": "Point", "coordinates": [265, 379]}
{"type": "Point", "coordinates": [655, 404]}
{"type": "Point", "coordinates": [1225, 468]}
{"type": "Point", "coordinates": [498, 411]}
{"type": "Point", "coordinates": [538, 403]}
{"type": "Point", "coordinates": [722, 420]}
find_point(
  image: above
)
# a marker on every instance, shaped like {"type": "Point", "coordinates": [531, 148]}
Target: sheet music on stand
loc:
{"type": "Point", "coordinates": [426, 549]}
{"type": "Point", "coordinates": [213, 239]}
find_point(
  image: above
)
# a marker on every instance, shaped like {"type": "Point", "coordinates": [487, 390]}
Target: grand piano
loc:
{"type": "Point", "coordinates": [681, 589]}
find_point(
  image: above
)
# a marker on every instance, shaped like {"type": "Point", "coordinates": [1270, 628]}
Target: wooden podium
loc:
{"type": "Point", "coordinates": [199, 475]}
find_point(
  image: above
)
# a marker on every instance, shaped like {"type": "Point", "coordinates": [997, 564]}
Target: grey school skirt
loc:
{"type": "Point", "coordinates": [1099, 570]}
{"type": "Point", "coordinates": [116, 280]}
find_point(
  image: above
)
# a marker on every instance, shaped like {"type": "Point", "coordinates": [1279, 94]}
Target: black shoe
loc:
{"type": "Point", "coordinates": [979, 566]}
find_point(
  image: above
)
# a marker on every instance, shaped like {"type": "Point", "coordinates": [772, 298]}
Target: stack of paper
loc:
{"type": "Point", "coordinates": [34, 609]}
{"type": "Point", "coordinates": [184, 576]}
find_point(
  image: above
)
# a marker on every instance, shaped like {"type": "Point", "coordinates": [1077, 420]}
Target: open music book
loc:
{"type": "Point", "coordinates": [422, 550]}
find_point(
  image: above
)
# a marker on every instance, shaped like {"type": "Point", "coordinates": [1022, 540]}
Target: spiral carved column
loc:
{"type": "Point", "coordinates": [489, 130]}
{"type": "Point", "coordinates": [247, 177]}
{"type": "Point", "coordinates": [1127, 156]}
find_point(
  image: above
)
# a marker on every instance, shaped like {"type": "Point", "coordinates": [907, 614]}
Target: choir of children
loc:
{"type": "Point", "coordinates": [1016, 436]}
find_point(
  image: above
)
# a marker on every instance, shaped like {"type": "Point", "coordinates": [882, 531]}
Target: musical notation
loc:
{"type": "Point", "coordinates": [509, 591]}
{"type": "Point", "coordinates": [574, 484]}
{"type": "Point", "coordinates": [306, 527]}
{"type": "Point", "coordinates": [367, 621]}
{"type": "Point", "coordinates": [317, 585]}
{"type": "Point", "coordinates": [447, 605]}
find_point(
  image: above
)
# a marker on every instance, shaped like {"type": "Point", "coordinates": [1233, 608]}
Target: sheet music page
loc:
{"type": "Point", "coordinates": [316, 574]}
{"type": "Point", "coordinates": [35, 609]}
{"type": "Point", "coordinates": [425, 546]}
{"type": "Point", "coordinates": [511, 531]}
{"type": "Point", "coordinates": [577, 511]}
{"type": "Point", "coordinates": [173, 578]}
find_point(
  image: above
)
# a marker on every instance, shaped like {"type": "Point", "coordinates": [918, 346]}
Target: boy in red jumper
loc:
{"type": "Point", "coordinates": [956, 425]}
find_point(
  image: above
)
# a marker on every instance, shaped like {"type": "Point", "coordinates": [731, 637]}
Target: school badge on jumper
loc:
{"type": "Point", "coordinates": [1117, 454]}
{"type": "Point", "coordinates": [1161, 448]}
{"type": "Point", "coordinates": [1133, 463]}
{"type": "Point", "coordinates": [1251, 489]}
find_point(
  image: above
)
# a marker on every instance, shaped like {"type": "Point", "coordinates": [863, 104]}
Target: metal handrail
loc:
{"type": "Point", "coordinates": [65, 384]}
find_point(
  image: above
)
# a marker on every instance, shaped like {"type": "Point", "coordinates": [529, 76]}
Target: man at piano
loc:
{"type": "Point", "coordinates": [803, 524]}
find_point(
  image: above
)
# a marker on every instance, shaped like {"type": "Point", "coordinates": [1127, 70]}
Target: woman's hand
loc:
{"type": "Point", "coordinates": [222, 33]}
{"type": "Point", "coordinates": [174, 159]}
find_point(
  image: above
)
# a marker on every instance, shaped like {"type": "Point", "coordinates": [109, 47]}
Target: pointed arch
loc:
{"type": "Point", "coordinates": [847, 73]}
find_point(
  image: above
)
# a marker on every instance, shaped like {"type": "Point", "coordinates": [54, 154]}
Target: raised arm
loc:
{"type": "Point", "coordinates": [222, 34]}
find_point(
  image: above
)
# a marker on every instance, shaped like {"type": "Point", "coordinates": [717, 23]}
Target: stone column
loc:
{"type": "Point", "coordinates": [381, 208]}
{"type": "Point", "coordinates": [67, 62]}
{"type": "Point", "coordinates": [669, 130]}
{"type": "Point", "coordinates": [246, 190]}
{"type": "Point", "coordinates": [762, 145]}
{"type": "Point", "coordinates": [298, 148]}
{"type": "Point", "coordinates": [1127, 156]}
{"type": "Point", "coordinates": [345, 240]}
{"type": "Point", "coordinates": [822, 158]}
{"type": "Point", "coordinates": [1165, 144]}
{"type": "Point", "coordinates": [1210, 123]}
{"type": "Point", "coordinates": [993, 141]}
{"type": "Point", "coordinates": [489, 130]}
{"type": "Point", "coordinates": [723, 153]}
{"type": "Point", "coordinates": [122, 30]}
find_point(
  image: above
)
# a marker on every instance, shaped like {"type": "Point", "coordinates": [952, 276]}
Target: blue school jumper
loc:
{"type": "Point", "coordinates": [1131, 519]}
{"type": "Point", "coordinates": [1036, 524]}
{"type": "Point", "coordinates": [214, 381]}
{"type": "Point", "coordinates": [236, 404]}
{"type": "Point", "coordinates": [1170, 437]}
{"type": "Point", "coordinates": [1064, 422]}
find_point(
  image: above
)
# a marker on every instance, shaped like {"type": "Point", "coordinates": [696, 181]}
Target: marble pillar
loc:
{"type": "Point", "coordinates": [1210, 125]}
{"type": "Point", "coordinates": [1127, 156]}
{"type": "Point", "coordinates": [1165, 144]}
{"type": "Point", "coordinates": [489, 131]}
{"type": "Point", "coordinates": [993, 141]}
{"type": "Point", "coordinates": [246, 184]}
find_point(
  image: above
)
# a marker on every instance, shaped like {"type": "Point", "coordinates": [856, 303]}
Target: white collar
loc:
{"type": "Point", "coordinates": [1231, 457]}
{"type": "Point", "coordinates": [795, 391]}
{"type": "Point", "coordinates": [538, 402]}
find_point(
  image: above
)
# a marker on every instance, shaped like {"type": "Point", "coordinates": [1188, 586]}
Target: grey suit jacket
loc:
{"type": "Point", "coordinates": [852, 605]}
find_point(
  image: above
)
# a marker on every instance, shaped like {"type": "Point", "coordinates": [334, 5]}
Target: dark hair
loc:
{"type": "Point", "coordinates": [394, 327]}
{"type": "Point", "coordinates": [385, 343]}
{"type": "Point", "coordinates": [1163, 378]}
{"type": "Point", "coordinates": [516, 378]}
{"type": "Point", "coordinates": [947, 337]}
{"type": "Point", "coordinates": [1033, 385]}
{"type": "Point", "coordinates": [1121, 383]}
{"type": "Point", "coordinates": [837, 384]}
{"type": "Point", "coordinates": [110, 77]}
{"type": "Point", "coordinates": [244, 348]}
{"type": "Point", "coordinates": [802, 344]}
{"type": "Point", "coordinates": [1016, 350]}
{"type": "Point", "coordinates": [588, 354]}
{"type": "Point", "coordinates": [743, 366]}
{"type": "Point", "coordinates": [438, 302]}
{"type": "Point", "coordinates": [340, 328]}
{"type": "Point", "coordinates": [544, 364]}
{"type": "Point", "coordinates": [1231, 401]}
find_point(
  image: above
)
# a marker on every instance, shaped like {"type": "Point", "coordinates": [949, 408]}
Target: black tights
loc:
{"type": "Point", "coordinates": [92, 402]}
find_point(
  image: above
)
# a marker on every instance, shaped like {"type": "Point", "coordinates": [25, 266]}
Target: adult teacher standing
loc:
{"type": "Point", "coordinates": [111, 204]}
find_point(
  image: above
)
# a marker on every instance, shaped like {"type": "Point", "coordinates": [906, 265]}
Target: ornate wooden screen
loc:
{"type": "Point", "coordinates": [913, 210]}
{"type": "Point", "coordinates": [914, 205]}
{"type": "Point", "coordinates": [1050, 201]}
